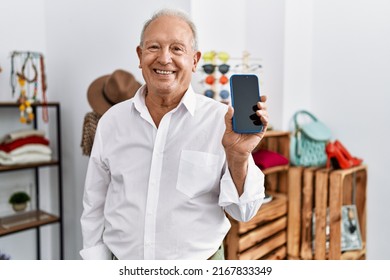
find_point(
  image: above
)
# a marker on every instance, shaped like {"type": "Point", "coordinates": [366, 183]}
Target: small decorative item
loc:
{"type": "Point", "coordinates": [28, 75]}
{"type": "Point", "coordinates": [351, 238]}
{"type": "Point", "coordinates": [19, 201]}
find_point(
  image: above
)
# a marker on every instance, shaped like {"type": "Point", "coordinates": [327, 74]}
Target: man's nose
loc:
{"type": "Point", "coordinates": [165, 56]}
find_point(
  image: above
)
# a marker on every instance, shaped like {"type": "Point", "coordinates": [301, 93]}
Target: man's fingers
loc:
{"type": "Point", "coordinates": [228, 117]}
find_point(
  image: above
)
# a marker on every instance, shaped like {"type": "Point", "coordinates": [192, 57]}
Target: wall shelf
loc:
{"type": "Point", "coordinates": [28, 220]}
{"type": "Point", "coordinates": [7, 168]}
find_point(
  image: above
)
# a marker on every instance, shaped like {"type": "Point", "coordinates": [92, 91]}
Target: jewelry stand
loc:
{"type": "Point", "coordinates": [28, 75]}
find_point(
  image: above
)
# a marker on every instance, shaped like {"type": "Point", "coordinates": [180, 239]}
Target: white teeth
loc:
{"type": "Point", "coordinates": [163, 72]}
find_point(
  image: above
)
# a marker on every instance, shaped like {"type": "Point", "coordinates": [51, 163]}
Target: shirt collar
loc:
{"type": "Point", "coordinates": [188, 100]}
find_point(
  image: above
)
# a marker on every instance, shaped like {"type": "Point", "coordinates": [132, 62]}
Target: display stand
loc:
{"type": "Point", "coordinates": [37, 218]}
{"type": "Point", "coordinates": [265, 235]}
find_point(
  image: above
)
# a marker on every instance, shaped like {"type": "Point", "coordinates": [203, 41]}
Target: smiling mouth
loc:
{"type": "Point", "coordinates": [163, 72]}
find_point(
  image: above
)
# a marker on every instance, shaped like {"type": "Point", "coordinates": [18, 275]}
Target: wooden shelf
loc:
{"type": "Point", "coordinates": [6, 168]}
{"type": "Point", "coordinates": [270, 211]}
{"type": "Point", "coordinates": [262, 234]}
{"type": "Point", "coordinates": [276, 133]}
{"type": "Point", "coordinates": [20, 222]}
{"type": "Point", "coordinates": [16, 104]}
{"type": "Point", "coordinates": [275, 169]}
{"type": "Point", "coordinates": [265, 235]}
{"type": "Point", "coordinates": [354, 255]}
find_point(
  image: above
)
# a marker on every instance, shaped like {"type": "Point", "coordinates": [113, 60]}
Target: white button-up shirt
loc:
{"type": "Point", "coordinates": [160, 193]}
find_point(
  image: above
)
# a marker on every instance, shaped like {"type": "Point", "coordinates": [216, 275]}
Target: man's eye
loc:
{"type": "Point", "coordinates": [177, 49]}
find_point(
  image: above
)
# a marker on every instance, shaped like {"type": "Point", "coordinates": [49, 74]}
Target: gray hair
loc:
{"type": "Point", "coordinates": [174, 13]}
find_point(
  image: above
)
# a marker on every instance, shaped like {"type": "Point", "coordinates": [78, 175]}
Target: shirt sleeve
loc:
{"type": "Point", "coordinates": [244, 207]}
{"type": "Point", "coordinates": [92, 218]}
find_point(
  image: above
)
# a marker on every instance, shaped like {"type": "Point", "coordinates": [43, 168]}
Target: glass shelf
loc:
{"type": "Point", "coordinates": [275, 169]}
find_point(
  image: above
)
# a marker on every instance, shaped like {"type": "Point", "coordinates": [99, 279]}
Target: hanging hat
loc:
{"type": "Point", "coordinates": [108, 90]}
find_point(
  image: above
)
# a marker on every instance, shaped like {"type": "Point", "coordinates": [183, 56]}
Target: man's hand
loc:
{"type": "Point", "coordinates": [242, 145]}
{"type": "Point", "coordinates": [238, 147]}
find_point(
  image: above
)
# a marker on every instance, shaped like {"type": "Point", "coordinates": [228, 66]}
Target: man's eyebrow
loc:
{"type": "Point", "coordinates": [180, 42]}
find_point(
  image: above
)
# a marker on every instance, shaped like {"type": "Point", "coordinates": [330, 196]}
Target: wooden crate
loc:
{"type": "Point", "coordinates": [264, 233]}
{"type": "Point", "coordinates": [276, 141]}
{"type": "Point", "coordinates": [321, 193]}
{"type": "Point", "coordinates": [276, 177]}
{"type": "Point", "coordinates": [341, 192]}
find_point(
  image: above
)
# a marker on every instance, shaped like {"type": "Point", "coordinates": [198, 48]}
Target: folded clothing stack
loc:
{"type": "Point", "coordinates": [24, 146]}
{"type": "Point", "coordinates": [266, 159]}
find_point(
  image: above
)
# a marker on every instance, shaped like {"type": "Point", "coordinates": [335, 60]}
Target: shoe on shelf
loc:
{"type": "Point", "coordinates": [335, 158]}
{"type": "Point", "coordinates": [355, 160]}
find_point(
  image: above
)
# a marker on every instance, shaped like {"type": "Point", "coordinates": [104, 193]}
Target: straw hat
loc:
{"type": "Point", "coordinates": [108, 90]}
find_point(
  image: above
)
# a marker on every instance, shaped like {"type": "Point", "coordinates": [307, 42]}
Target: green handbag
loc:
{"type": "Point", "coordinates": [307, 146]}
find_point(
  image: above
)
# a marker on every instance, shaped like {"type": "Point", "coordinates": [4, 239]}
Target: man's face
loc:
{"type": "Point", "coordinates": [167, 58]}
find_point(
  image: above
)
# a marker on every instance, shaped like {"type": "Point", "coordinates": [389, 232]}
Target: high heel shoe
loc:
{"type": "Point", "coordinates": [355, 161]}
{"type": "Point", "coordinates": [336, 158]}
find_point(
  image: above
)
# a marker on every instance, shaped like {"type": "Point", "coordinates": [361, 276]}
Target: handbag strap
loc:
{"type": "Point", "coordinates": [297, 130]}
{"type": "Point", "coordinates": [303, 112]}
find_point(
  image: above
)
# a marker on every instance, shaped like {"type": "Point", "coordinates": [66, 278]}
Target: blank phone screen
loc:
{"type": "Point", "coordinates": [245, 94]}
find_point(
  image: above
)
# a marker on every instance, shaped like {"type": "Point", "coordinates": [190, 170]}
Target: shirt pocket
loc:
{"type": "Point", "coordinates": [198, 173]}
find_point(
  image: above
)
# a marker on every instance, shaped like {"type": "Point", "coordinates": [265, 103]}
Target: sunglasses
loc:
{"type": "Point", "coordinates": [210, 56]}
{"type": "Point", "coordinates": [209, 93]}
{"type": "Point", "coordinates": [247, 68]}
{"type": "Point", "coordinates": [210, 80]}
{"type": "Point", "coordinates": [224, 94]}
{"type": "Point", "coordinates": [210, 68]}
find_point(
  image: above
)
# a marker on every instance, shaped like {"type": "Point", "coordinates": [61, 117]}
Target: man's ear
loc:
{"type": "Point", "coordinates": [139, 53]}
{"type": "Point", "coordinates": [197, 56]}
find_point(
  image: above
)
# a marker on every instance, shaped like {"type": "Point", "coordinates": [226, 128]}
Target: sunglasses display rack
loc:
{"type": "Point", "coordinates": [217, 69]}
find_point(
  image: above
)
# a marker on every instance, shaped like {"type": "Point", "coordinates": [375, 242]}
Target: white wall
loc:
{"type": "Point", "coordinates": [297, 64]}
{"type": "Point", "coordinates": [265, 39]}
{"type": "Point", "coordinates": [337, 64]}
{"type": "Point", "coordinates": [351, 93]}
{"type": "Point", "coordinates": [22, 28]}
{"type": "Point", "coordinates": [319, 55]}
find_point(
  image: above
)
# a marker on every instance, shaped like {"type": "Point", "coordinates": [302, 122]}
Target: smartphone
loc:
{"type": "Point", "coordinates": [245, 93]}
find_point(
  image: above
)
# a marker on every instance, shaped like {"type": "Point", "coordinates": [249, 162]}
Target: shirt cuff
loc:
{"type": "Point", "coordinates": [253, 186]}
{"type": "Point", "coordinates": [99, 252]}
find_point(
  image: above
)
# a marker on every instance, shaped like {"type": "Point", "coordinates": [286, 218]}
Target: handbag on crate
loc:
{"type": "Point", "coordinates": [308, 140]}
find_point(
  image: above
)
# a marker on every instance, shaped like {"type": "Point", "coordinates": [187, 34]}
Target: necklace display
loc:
{"type": "Point", "coordinates": [27, 81]}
